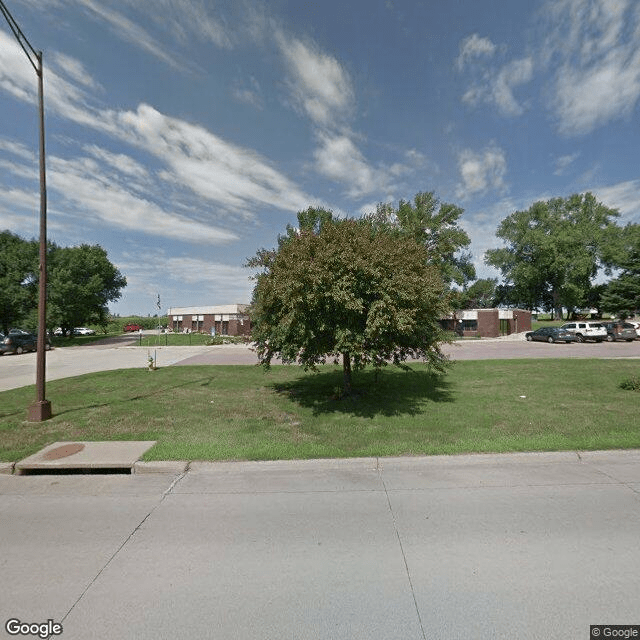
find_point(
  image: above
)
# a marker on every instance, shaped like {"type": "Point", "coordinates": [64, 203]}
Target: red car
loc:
{"type": "Point", "coordinates": [132, 327]}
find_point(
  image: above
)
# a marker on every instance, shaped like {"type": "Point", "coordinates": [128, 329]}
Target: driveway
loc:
{"type": "Point", "coordinates": [526, 546]}
{"type": "Point", "coordinates": [19, 371]}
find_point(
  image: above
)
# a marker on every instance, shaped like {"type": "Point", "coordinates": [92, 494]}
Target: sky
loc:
{"type": "Point", "coordinates": [184, 135]}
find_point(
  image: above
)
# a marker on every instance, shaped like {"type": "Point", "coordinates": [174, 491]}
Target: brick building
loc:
{"type": "Point", "coordinates": [489, 323]}
{"type": "Point", "coordinates": [224, 319]}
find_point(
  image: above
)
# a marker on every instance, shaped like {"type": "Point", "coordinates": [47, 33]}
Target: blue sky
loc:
{"type": "Point", "coordinates": [183, 135]}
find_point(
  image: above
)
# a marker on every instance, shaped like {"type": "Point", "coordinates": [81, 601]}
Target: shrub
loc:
{"type": "Point", "coordinates": [631, 384]}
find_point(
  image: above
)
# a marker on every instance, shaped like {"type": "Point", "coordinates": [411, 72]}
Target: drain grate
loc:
{"type": "Point", "coordinates": [79, 471]}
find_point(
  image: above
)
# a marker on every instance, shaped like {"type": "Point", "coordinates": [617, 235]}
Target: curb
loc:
{"type": "Point", "coordinates": [161, 466]}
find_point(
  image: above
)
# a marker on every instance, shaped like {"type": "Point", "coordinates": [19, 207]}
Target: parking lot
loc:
{"type": "Point", "coordinates": [19, 371]}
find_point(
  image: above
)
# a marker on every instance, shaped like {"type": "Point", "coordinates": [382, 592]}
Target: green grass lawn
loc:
{"type": "Point", "coordinates": [241, 412]}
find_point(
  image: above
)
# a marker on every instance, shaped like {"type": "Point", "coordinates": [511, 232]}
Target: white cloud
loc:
{"type": "Point", "coordinates": [319, 83]}
{"type": "Point", "coordinates": [119, 161]}
{"type": "Point", "coordinates": [249, 93]}
{"type": "Point", "coordinates": [17, 149]}
{"type": "Point", "coordinates": [189, 18]}
{"type": "Point", "coordinates": [185, 281]}
{"type": "Point", "coordinates": [563, 162]}
{"type": "Point", "coordinates": [595, 47]}
{"type": "Point", "coordinates": [126, 29]}
{"type": "Point", "coordinates": [624, 196]}
{"type": "Point", "coordinates": [497, 88]}
{"type": "Point", "coordinates": [75, 70]}
{"type": "Point", "coordinates": [89, 194]}
{"type": "Point", "coordinates": [339, 159]}
{"type": "Point", "coordinates": [234, 177]}
{"type": "Point", "coordinates": [481, 171]}
{"type": "Point", "coordinates": [474, 47]}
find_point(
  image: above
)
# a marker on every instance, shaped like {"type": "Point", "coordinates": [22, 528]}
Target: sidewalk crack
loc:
{"type": "Point", "coordinates": [124, 543]}
{"type": "Point", "coordinates": [404, 557]}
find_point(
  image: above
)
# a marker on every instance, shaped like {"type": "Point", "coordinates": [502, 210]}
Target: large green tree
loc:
{"type": "Point", "coordinates": [18, 279]}
{"type": "Point", "coordinates": [554, 250]}
{"type": "Point", "coordinates": [435, 225]}
{"type": "Point", "coordinates": [81, 283]}
{"type": "Point", "coordinates": [481, 294]}
{"type": "Point", "coordinates": [346, 288]}
{"type": "Point", "coordinates": [622, 294]}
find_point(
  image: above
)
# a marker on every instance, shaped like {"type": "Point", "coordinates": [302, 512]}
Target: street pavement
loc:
{"type": "Point", "coordinates": [19, 371]}
{"type": "Point", "coordinates": [526, 546]}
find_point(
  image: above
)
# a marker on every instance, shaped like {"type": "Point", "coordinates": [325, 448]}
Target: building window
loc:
{"type": "Point", "coordinates": [470, 325]}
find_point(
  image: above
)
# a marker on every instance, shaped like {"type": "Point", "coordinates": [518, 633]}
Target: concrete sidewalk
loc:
{"type": "Point", "coordinates": [484, 546]}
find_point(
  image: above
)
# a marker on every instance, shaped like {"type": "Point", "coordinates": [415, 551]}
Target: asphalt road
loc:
{"type": "Point", "coordinates": [19, 371]}
{"type": "Point", "coordinates": [526, 546]}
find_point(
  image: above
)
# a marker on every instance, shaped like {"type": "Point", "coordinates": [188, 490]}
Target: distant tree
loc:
{"type": "Point", "coordinates": [18, 279]}
{"type": "Point", "coordinates": [554, 250]}
{"type": "Point", "coordinates": [436, 226]}
{"type": "Point", "coordinates": [594, 298]}
{"type": "Point", "coordinates": [81, 282]}
{"type": "Point", "coordinates": [346, 288]}
{"type": "Point", "coordinates": [621, 296]}
{"type": "Point", "coordinates": [479, 295]}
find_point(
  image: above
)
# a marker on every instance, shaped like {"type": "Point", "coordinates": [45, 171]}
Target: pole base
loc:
{"type": "Point", "coordinates": [39, 411]}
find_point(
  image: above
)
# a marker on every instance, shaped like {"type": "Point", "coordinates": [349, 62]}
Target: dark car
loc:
{"type": "Point", "coordinates": [620, 331]}
{"type": "Point", "coordinates": [19, 342]}
{"type": "Point", "coordinates": [132, 327]}
{"type": "Point", "coordinates": [551, 334]}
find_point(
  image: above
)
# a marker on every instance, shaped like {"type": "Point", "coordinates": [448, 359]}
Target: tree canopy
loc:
{"type": "Point", "coordinates": [349, 288]}
{"type": "Point", "coordinates": [554, 250]}
{"type": "Point", "coordinates": [81, 281]}
{"type": "Point", "coordinates": [436, 226]}
{"type": "Point", "coordinates": [18, 278]}
{"type": "Point", "coordinates": [622, 294]}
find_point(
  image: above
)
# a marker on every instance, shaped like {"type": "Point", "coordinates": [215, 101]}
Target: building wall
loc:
{"type": "Point", "coordinates": [226, 320]}
{"type": "Point", "coordinates": [488, 323]}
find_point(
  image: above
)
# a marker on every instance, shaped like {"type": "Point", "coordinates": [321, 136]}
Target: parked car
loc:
{"type": "Point", "coordinates": [132, 327]}
{"type": "Point", "coordinates": [83, 331]}
{"type": "Point", "coordinates": [19, 342]}
{"type": "Point", "coordinates": [636, 326]}
{"type": "Point", "coordinates": [551, 334]}
{"type": "Point", "coordinates": [586, 330]}
{"type": "Point", "coordinates": [620, 331]}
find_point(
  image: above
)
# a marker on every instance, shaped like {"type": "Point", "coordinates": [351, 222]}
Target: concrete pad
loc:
{"type": "Point", "coordinates": [6, 467]}
{"type": "Point", "coordinates": [290, 476]}
{"type": "Point", "coordinates": [53, 546]}
{"type": "Point", "coordinates": [161, 466]}
{"type": "Point", "coordinates": [525, 562]}
{"type": "Point", "coordinates": [85, 456]}
{"type": "Point", "coordinates": [285, 565]}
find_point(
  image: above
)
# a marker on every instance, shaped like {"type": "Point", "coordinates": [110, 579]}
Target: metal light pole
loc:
{"type": "Point", "coordinates": [41, 409]}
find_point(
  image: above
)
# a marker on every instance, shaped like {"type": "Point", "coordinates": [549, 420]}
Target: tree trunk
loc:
{"type": "Point", "coordinates": [346, 373]}
{"type": "Point", "coordinates": [557, 306]}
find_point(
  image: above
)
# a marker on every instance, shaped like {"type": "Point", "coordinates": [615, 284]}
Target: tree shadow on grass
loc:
{"type": "Point", "coordinates": [394, 392]}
